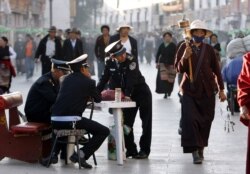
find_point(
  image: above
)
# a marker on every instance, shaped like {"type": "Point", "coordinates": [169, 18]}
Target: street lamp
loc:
{"type": "Point", "coordinates": [50, 13]}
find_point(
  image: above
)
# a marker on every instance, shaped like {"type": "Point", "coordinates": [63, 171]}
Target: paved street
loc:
{"type": "Point", "coordinates": [225, 154]}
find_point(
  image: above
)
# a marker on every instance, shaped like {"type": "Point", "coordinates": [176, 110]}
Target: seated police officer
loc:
{"type": "Point", "coordinates": [41, 97]}
{"type": "Point", "coordinates": [122, 71]}
{"type": "Point", "coordinates": [75, 91]}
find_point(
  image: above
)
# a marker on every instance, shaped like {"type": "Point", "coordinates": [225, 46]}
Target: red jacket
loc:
{"type": "Point", "coordinates": [8, 64]}
{"type": "Point", "coordinates": [244, 85]}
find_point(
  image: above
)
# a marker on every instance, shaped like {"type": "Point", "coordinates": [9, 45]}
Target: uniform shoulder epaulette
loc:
{"type": "Point", "coordinates": [40, 80]}
{"type": "Point", "coordinates": [130, 57]}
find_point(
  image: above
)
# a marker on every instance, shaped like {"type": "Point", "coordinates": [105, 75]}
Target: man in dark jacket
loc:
{"type": "Point", "coordinates": [72, 47]}
{"type": "Point", "coordinates": [49, 47]}
{"type": "Point", "coordinates": [101, 42]}
{"type": "Point", "coordinates": [122, 71]}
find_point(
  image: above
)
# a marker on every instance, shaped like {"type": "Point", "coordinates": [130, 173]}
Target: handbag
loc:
{"type": "Point", "coordinates": [109, 95]}
{"type": "Point", "coordinates": [163, 72]}
{"type": "Point", "coordinates": [171, 72]}
{"type": "Point", "coordinates": [167, 72]}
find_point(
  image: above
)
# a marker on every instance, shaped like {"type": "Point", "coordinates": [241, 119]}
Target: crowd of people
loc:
{"type": "Point", "coordinates": [69, 57]}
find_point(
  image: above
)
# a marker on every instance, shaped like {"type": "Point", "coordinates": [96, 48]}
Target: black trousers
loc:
{"type": "Point", "coordinates": [143, 98]}
{"type": "Point", "coordinates": [46, 64]}
{"type": "Point", "coordinates": [98, 131]}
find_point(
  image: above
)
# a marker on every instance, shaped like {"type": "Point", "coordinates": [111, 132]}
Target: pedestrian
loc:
{"type": "Point", "coordinates": [7, 70]}
{"type": "Point", "coordinates": [149, 47]}
{"type": "Point", "coordinates": [165, 57]}
{"type": "Point", "coordinates": [30, 48]}
{"type": "Point", "coordinates": [122, 71]}
{"type": "Point", "coordinates": [20, 50]}
{"type": "Point", "coordinates": [90, 45]}
{"type": "Point", "coordinates": [72, 47]}
{"type": "Point", "coordinates": [140, 38]}
{"type": "Point", "coordinates": [244, 101]}
{"type": "Point", "coordinates": [11, 50]}
{"type": "Point", "coordinates": [201, 81]}
{"type": "Point", "coordinates": [42, 96]}
{"type": "Point", "coordinates": [49, 47]}
{"type": "Point", "coordinates": [216, 45]}
{"type": "Point", "coordinates": [75, 91]}
{"type": "Point", "coordinates": [101, 43]}
{"type": "Point", "coordinates": [230, 74]}
{"type": "Point", "coordinates": [128, 41]}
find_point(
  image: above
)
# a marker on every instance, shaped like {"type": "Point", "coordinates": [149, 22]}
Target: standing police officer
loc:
{"type": "Point", "coordinates": [122, 71]}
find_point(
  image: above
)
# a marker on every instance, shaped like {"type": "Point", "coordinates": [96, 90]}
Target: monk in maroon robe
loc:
{"type": "Point", "coordinates": [244, 101]}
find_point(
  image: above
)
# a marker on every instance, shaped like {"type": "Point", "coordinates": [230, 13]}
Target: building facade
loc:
{"type": "Point", "coordinates": [151, 15]}
{"type": "Point", "coordinates": [22, 13]}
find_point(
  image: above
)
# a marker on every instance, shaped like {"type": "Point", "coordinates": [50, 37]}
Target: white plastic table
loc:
{"type": "Point", "coordinates": [117, 113]}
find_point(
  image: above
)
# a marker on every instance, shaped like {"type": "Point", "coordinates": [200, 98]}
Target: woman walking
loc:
{"type": "Point", "coordinates": [164, 61]}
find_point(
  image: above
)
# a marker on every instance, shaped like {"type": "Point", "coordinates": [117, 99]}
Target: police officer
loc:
{"type": "Point", "coordinates": [42, 95]}
{"type": "Point", "coordinates": [122, 71]}
{"type": "Point", "coordinates": [43, 92]}
{"type": "Point", "coordinates": [75, 91]}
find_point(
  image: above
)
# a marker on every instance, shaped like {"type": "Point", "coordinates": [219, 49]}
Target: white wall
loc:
{"type": "Point", "coordinates": [61, 14]}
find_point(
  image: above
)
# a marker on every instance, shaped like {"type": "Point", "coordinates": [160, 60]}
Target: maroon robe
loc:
{"type": "Point", "coordinates": [244, 99]}
{"type": "Point", "coordinates": [198, 101]}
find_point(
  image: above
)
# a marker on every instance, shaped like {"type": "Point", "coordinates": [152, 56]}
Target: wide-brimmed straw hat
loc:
{"type": "Point", "coordinates": [198, 24]}
{"type": "Point", "coordinates": [124, 26]}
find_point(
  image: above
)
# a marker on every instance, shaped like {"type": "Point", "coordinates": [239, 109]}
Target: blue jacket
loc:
{"type": "Point", "coordinates": [232, 70]}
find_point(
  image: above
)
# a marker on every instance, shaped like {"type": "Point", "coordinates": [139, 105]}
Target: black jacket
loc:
{"type": "Point", "coordinates": [99, 48]}
{"type": "Point", "coordinates": [41, 49]}
{"type": "Point", "coordinates": [41, 97]}
{"type": "Point", "coordinates": [70, 53]}
{"type": "Point", "coordinates": [125, 75]}
{"type": "Point", "coordinates": [166, 54]}
{"type": "Point", "coordinates": [75, 91]}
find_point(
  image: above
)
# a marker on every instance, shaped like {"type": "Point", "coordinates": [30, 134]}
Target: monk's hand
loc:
{"type": "Point", "coordinates": [244, 113]}
{"type": "Point", "coordinates": [187, 53]}
{"type": "Point", "coordinates": [222, 96]}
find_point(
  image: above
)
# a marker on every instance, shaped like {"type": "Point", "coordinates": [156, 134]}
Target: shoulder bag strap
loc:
{"type": "Point", "coordinates": [200, 60]}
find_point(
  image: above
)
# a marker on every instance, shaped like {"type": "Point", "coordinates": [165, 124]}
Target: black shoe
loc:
{"type": "Point", "coordinates": [165, 96]}
{"type": "Point", "coordinates": [83, 163]}
{"type": "Point", "coordinates": [200, 152]}
{"type": "Point", "coordinates": [142, 155]}
{"type": "Point", "coordinates": [45, 161]}
{"type": "Point", "coordinates": [196, 157]}
{"type": "Point", "coordinates": [131, 154]}
{"type": "Point", "coordinates": [63, 156]}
